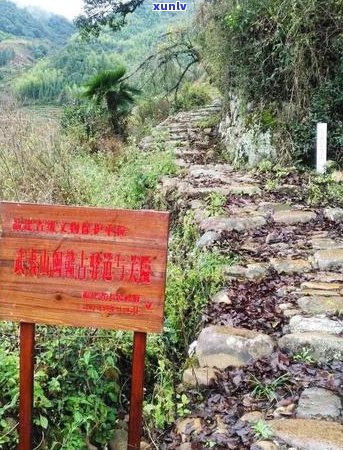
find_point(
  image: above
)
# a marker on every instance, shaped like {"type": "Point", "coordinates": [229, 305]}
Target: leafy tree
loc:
{"type": "Point", "coordinates": [110, 87]}
{"type": "Point", "coordinates": [105, 12]}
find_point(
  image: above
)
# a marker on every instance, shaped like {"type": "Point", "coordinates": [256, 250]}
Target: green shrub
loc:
{"type": "Point", "coordinates": [284, 60]}
{"type": "Point", "coordinates": [147, 113]}
{"type": "Point", "coordinates": [76, 388]}
{"type": "Point", "coordinates": [85, 122]}
{"type": "Point", "coordinates": [323, 191]}
{"type": "Point", "coordinates": [6, 56]}
{"type": "Point", "coordinates": [193, 95]}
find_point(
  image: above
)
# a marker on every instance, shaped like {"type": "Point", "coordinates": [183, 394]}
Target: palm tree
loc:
{"type": "Point", "coordinates": [109, 87]}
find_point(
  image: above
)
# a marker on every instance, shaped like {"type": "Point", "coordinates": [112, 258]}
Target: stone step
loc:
{"type": "Point", "coordinates": [334, 214]}
{"type": "Point", "coordinates": [326, 277]}
{"type": "Point", "coordinates": [323, 243]}
{"type": "Point", "coordinates": [290, 266]}
{"type": "Point", "coordinates": [323, 347]}
{"type": "Point", "coordinates": [186, 152]}
{"type": "Point", "coordinates": [321, 305]}
{"type": "Point", "coordinates": [203, 192]}
{"type": "Point", "coordinates": [321, 286]}
{"type": "Point", "coordinates": [176, 144]}
{"type": "Point", "coordinates": [221, 347]}
{"type": "Point", "coordinates": [318, 403]}
{"type": "Point", "coordinates": [318, 324]}
{"type": "Point", "coordinates": [239, 223]}
{"type": "Point", "coordinates": [329, 259]}
{"type": "Point", "coordinates": [293, 217]}
{"type": "Point", "coordinates": [176, 127]}
{"type": "Point", "coordinates": [308, 434]}
{"type": "Point", "coordinates": [254, 271]}
{"type": "Point", "coordinates": [178, 137]}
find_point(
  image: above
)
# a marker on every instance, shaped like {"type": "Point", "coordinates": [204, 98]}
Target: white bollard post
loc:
{"type": "Point", "coordinates": [322, 131]}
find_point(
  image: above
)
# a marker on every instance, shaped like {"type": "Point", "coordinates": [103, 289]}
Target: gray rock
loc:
{"type": "Point", "coordinates": [273, 237]}
{"type": "Point", "coordinates": [202, 377]}
{"type": "Point", "coordinates": [300, 324]}
{"type": "Point", "coordinates": [207, 239]}
{"type": "Point", "coordinates": [321, 286]}
{"type": "Point", "coordinates": [238, 223]}
{"type": "Point", "coordinates": [309, 434]}
{"type": "Point", "coordinates": [185, 446]}
{"type": "Point", "coordinates": [334, 214]}
{"type": "Point", "coordinates": [284, 291]}
{"type": "Point", "coordinates": [291, 312]}
{"type": "Point", "coordinates": [221, 297]}
{"type": "Point", "coordinates": [321, 305]}
{"type": "Point", "coordinates": [119, 440]}
{"type": "Point", "coordinates": [293, 217]}
{"type": "Point", "coordinates": [235, 270]}
{"type": "Point", "coordinates": [252, 417]}
{"type": "Point", "coordinates": [328, 277]}
{"type": "Point", "coordinates": [205, 172]}
{"type": "Point", "coordinates": [264, 445]}
{"type": "Point", "coordinates": [285, 306]}
{"type": "Point", "coordinates": [274, 207]}
{"type": "Point", "coordinates": [200, 215]}
{"type": "Point", "coordinates": [257, 271]}
{"type": "Point", "coordinates": [324, 347]}
{"type": "Point", "coordinates": [188, 426]}
{"type": "Point", "coordinates": [318, 403]}
{"type": "Point", "coordinates": [253, 271]}
{"type": "Point", "coordinates": [329, 259]}
{"type": "Point", "coordinates": [245, 189]}
{"type": "Point", "coordinates": [318, 292]}
{"type": "Point", "coordinates": [221, 347]}
{"type": "Point", "coordinates": [289, 266]}
{"type": "Point", "coordinates": [323, 243]}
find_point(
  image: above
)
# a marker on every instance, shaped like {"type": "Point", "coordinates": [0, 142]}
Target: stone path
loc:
{"type": "Point", "coordinates": [282, 238]}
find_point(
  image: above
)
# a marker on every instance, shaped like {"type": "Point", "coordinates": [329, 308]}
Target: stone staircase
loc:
{"type": "Point", "coordinates": [188, 134]}
{"type": "Point", "coordinates": [280, 240]}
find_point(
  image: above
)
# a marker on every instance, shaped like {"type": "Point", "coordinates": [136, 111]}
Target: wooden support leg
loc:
{"type": "Point", "coordinates": [27, 350]}
{"type": "Point", "coordinates": [137, 391]}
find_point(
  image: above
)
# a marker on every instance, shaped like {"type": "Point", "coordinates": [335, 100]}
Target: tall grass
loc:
{"type": "Point", "coordinates": [39, 164]}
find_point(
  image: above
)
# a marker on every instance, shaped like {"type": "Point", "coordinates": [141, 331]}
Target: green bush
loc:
{"type": "Point", "coordinates": [76, 388]}
{"type": "Point", "coordinates": [285, 61]}
{"type": "Point", "coordinates": [6, 56]}
{"type": "Point", "coordinates": [147, 113]}
{"type": "Point", "coordinates": [86, 122]}
{"type": "Point", "coordinates": [193, 95]}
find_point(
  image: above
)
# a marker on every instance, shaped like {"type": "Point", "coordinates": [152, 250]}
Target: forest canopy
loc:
{"type": "Point", "coordinates": [21, 22]}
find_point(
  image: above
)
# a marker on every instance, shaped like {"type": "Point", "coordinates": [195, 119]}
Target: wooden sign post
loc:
{"type": "Point", "coordinates": [82, 267]}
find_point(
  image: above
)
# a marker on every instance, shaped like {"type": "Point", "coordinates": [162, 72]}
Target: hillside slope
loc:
{"type": "Point", "coordinates": [53, 78]}
{"type": "Point", "coordinates": [27, 36]}
{"type": "Point", "coordinates": [34, 24]}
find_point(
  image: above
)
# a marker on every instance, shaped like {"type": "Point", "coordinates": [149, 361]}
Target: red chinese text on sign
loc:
{"type": "Point", "coordinates": [53, 257]}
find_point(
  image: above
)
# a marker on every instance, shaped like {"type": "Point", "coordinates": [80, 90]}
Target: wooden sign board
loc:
{"type": "Point", "coordinates": [83, 267]}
